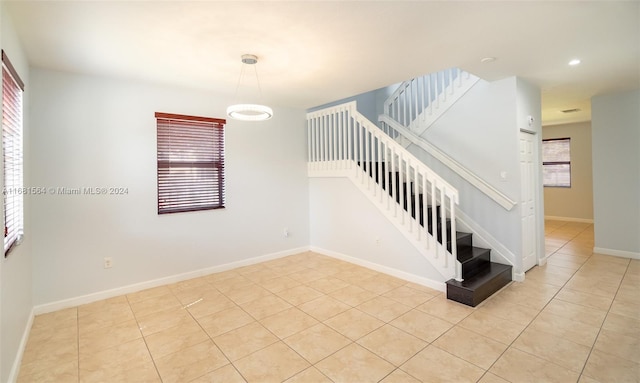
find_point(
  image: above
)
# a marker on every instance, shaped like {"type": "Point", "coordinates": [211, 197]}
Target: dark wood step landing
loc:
{"type": "Point", "coordinates": [486, 280]}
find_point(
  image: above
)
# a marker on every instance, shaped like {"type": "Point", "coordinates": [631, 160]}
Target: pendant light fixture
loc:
{"type": "Point", "coordinates": [249, 112]}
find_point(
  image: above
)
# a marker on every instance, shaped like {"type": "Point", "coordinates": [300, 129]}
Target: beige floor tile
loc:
{"type": "Point", "coordinates": [307, 275]}
{"type": "Point", "coordinates": [446, 309]}
{"type": "Point", "coordinates": [299, 295]}
{"type": "Point", "coordinates": [565, 328]}
{"type": "Point", "coordinates": [209, 303]}
{"type": "Point", "coordinates": [125, 362]}
{"type": "Point", "coordinates": [288, 322]}
{"type": "Point", "coordinates": [392, 344]}
{"type": "Point", "coordinates": [108, 307]}
{"type": "Point", "coordinates": [281, 283]}
{"type": "Point", "coordinates": [409, 296]}
{"type": "Point", "coordinates": [421, 325]}
{"type": "Point", "coordinates": [163, 320]}
{"type": "Point", "coordinates": [546, 274]}
{"type": "Point", "coordinates": [622, 325]}
{"type": "Point", "coordinates": [175, 339]}
{"type": "Point", "coordinates": [189, 293]}
{"type": "Point", "coordinates": [143, 295]}
{"type": "Point", "coordinates": [275, 363]}
{"type": "Point", "coordinates": [529, 294]}
{"type": "Point", "coordinates": [245, 340]}
{"type": "Point", "coordinates": [435, 365]}
{"type": "Point", "coordinates": [399, 376]}
{"type": "Point", "coordinates": [626, 309]}
{"type": "Point", "coordinates": [553, 349]}
{"type": "Point", "coordinates": [584, 299]}
{"type": "Point", "coordinates": [353, 295]}
{"type": "Point", "coordinates": [385, 309]}
{"type": "Point", "coordinates": [225, 321]}
{"type": "Point", "coordinates": [586, 379]}
{"type": "Point", "coordinates": [155, 304]}
{"type": "Point", "coordinates": [228, 281]}
{"type": "Point", "coordinates": [587, 284]}
{"type": "Point", "coordinates": [327, 284]}
{"type": "Point", "coordinates": [39, 356]}
{"type": "Point", "coordinates": [190, 363]}
{"type": "Point", "coordinates": [108, 337]}
{"type": "Point", "coordinates": [354, 323]}
{"type": "Point", "coordinates": [381, 283]}
{"type": "Point", "coordinates": [226, 374]}
{"type": "Point", "coordinates": [620, 345]}
{"type": "Point", "coordinates": [472, 347]}
{"type": "Point", "coordinates": [498, 329]}
{"type": "Point", "coordinates": [491, 378]}
{"type": "Point", "coordinates": [56, 320]}
{"type": "Point", "coordinates": [518, 366]}
{"type": "Point", "coordinates": [263, 275]}
{"type": "Point", "coordinates": [55, 372]}
{"type": "Point", "coordinates": [110, 315]}
{"type": "Point", "coordinates": [310, 375]}
{"type": "Point", "coordinates": [506, 310]}
{"type": "Point", "coordinates": [324, 307]}
{"type": "Point", "coordinates": [246, 293]}
{"type": "Point", "coordinates": [587, 315]}
{"type": "Point", "coordinates": [317, 342]}
{"type": "Point", "coordinates": [604, 367]}
{"type": "Point", "coordinates": [265, 306]}
{"type": "Point", "coordinates": [354, 363]}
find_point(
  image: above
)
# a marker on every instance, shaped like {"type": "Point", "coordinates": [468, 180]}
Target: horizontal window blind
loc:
{"type": "Point", "coordinates": [190, 163]}
{"type": "Point", "coordinates": [12, 89]}
{"type": "Point", "coordinates": [556, 162]}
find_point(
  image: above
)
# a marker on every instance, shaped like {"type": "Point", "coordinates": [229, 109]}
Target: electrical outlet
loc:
{"type": "Point", "coordinates": [377, 241]}
{"type": "Point", "coordinates": [285, 232]}
{"type": "Point", "coordinates": [108, 262]}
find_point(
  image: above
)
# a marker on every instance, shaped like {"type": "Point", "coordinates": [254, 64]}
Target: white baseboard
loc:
{"type": "Point", "coordinates": [15, 368]}
{"type": "Point", "coordinates": [568, 219]}
{"type": "Point", "coordinates": [93, 297]}
{"type": "Point", "coordinates": [436, 285]}
{"type": "Point", "coordinates": [617, 253]}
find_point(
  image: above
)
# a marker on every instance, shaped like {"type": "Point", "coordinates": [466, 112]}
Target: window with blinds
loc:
{"type": "Point", "coordinates": [190, 163]}
{"type": "Point", "coordinates": [556, 162]}
{"type": "Point", "coordinates": [12, 89]}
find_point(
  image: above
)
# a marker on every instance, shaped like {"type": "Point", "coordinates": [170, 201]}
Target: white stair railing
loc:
{"type": "Point", "coordinates": [419, 102]}
{"type": "Point", "coordinates": [342, 142]}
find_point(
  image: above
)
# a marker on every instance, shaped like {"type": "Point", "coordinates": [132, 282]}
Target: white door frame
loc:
{"type": "Point", "coordinates": [538, 199]}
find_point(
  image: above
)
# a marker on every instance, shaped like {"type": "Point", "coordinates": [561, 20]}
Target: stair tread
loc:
{"type": "Point", "coordinates": [485, 274]}
{"type": "Point", "coordinates": [471, 253]}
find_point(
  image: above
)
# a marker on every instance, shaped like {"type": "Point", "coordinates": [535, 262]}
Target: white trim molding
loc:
{"type": "Point", "coordinates": [15, 368]}
{"type": "Point", "coordinates": [568, 219]}
{"type": "Point", "coordinates": [93, 297]}
{"type": "Point", "coordinates": [430, 283]}
{"type": "Point", "coordinates": [616, 253]}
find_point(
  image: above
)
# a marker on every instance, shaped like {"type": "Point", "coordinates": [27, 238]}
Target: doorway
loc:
{"type": "Point", "coordinates": [528, 172]}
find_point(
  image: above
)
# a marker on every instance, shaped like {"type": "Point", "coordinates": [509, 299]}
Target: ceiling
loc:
{"type": "Point", "coordinates": [314, 52]}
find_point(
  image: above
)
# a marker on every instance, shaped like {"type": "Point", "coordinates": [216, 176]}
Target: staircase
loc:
{"type": "Point", "coordinates": [422, 205]}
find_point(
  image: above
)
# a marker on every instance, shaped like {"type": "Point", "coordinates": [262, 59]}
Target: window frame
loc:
{"type": "Point", "coordinates": [12, 155]}
{"type": "Point", "coordinates": [556, 163]}
{"type": "Point", "coordinates": [190, 163]}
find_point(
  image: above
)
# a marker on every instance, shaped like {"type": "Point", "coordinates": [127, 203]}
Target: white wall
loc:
{"type": "Point", "coordinates": [575, 202]}
{"type": "Point", "coordinates": [15, 271]}
{"type": "Point", "coordinates": [615, 124]}
{"type": "Point", "coordinates": [343, 220]}
{"type": "Point", "coordinates": [100, 132]}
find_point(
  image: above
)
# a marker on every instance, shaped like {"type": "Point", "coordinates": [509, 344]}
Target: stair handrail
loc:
{"type": "Point", "coordinates": [421, 94]}
{"type": "Point", "coordinates": [479, 183]}
{"type": "Point", "coordinates": [343, 141]}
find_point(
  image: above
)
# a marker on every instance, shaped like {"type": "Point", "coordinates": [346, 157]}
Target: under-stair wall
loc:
{"type": "Point", "coordinates": [481, 132]}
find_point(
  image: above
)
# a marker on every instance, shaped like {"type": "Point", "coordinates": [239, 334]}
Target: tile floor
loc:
{"type": "Point", "coordinates": [310, 318]}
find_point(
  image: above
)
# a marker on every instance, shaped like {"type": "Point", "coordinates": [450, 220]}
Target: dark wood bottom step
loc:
{"type": "Point", "coordinates": [486, 281]}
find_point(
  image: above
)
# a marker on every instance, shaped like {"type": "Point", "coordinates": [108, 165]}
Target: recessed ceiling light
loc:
{"type": "Point", "coordinates": [574, 62]}
{"type": "Point", "coordinates": [488, 60]}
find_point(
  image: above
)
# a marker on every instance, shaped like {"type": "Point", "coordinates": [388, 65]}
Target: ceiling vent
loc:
{"type": "Point", "coordinates": [570, 110]}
